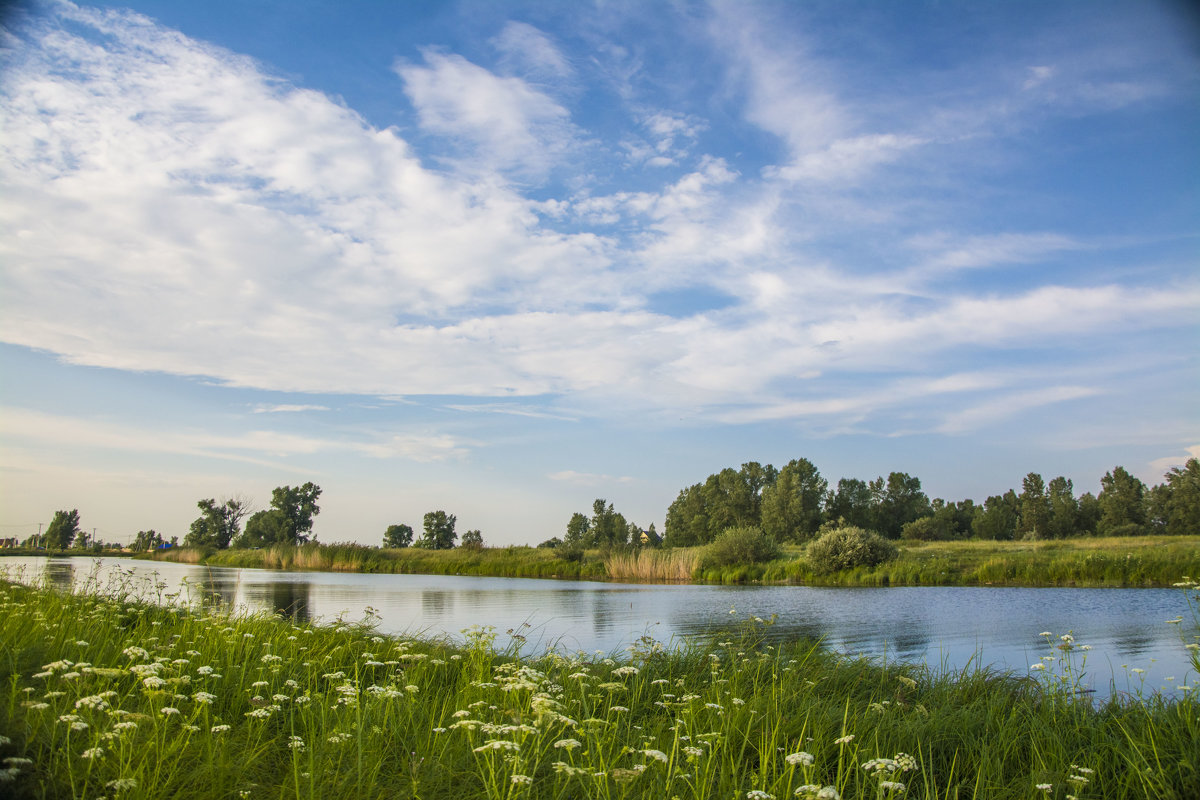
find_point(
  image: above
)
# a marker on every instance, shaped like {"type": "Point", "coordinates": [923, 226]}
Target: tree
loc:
{"type": "Point", "coordinates": [851, 503]}
{"type": "Point", "coordinates": [1182, 499]}
{"type": "Point", "coordinates": [1064, 509]}
{"type": "Point", "coordinates": [439, 531]}
{"type": "Point", "coordinates": [146, 540]}
{"type": "Point", "coordinates": [687, 519]}
{"type": "Point", "coordinates": [218, 524]}
{"type": "Point", "coordinates": [298, 506]}
{"type": "Point", "coordinates": [727, 499]}
{"type": "Point", "coordinates": [1035, 508]}
{"type": "Point", "coordinates": [791, 506]}
{"type": "Point", "coordinates": [472, 540]}
{"type": "Point", "coordinates": [398, 536]}
{"type": "Point", "coordinates": [62, 530]}
{"type": "Point", "coordinates": [608, 528]}
{"type": "Point", "coordinates": [289, 519]}
{"type": "Point", "coordinates": [1122, 506]}
{"type": "Point", "coordinates": [579, 531]}
{"type": "Point", "coordinates": [998, 517]}
{"type": "Point", "coordinates": [897, 502]}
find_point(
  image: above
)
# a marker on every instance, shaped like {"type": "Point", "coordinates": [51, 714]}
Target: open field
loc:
{"type": "Point", "coordinates": [1115, 562]}
{"type": "Point", "coordinates": [106, 695]}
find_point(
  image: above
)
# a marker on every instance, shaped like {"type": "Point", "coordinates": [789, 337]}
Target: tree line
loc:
{"type": "Point", "coordinates": [793, 503]}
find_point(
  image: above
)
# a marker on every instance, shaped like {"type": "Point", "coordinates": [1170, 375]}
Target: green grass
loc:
{"type": "Point", "coordinates": [104, 694]}
{"type": "Point", "coordinates": [1108, 562]}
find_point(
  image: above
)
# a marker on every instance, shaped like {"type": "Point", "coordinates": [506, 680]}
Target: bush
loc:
{"type": "Point", "coordinates": [741, 545]}
{"type": "Point", "coordinates": [849, 547]}
{"type": "Point", "coordinates": [926, 529]}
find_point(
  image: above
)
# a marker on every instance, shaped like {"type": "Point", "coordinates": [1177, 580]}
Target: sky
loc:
{"type": "Point", "coordinates": [504, 258]}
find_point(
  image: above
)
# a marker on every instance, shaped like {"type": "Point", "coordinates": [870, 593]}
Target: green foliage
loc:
{"type": "Point", "coordinates": [579, 531]}
{"type": "Point", "coordinates": [792, 505]}
{"type": "Point", "coordinates": [398, 536]}
{"type": "Point", "coordinates": [746, 544]}
{"type": "Point", "coordinates": [288, 521]}
{"type": "Point", "coordinates": [146, 540]}
{"type": "Point", "coordinates": [1122, 506]}
{"type": "Point", "coordinates": [62, 530]}
{"type": "Point", "coordinates": [218, 524]}
{"type": "Point", "coordinates": [472, 540]}
{"type": "Point", "coordinates": [845, 548]}
{"type": "Point", "coordinates": [726, 499]}
{"type": "Point", "coordinates": [928, 529]}
{"type": "Point", "coordinates": [1180, 499]}
{"type": "Point", "coordinates": [438, 531]}
{"type": "Point", "coordinates": [897, 501]}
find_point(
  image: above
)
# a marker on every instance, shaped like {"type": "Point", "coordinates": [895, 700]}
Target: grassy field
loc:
{"type": "Point", "coordinates": [103, 695]}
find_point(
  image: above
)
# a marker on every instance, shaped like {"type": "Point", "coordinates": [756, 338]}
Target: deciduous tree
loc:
{"type": "Point", "coordinates": [398, 536]}
{"type": "Point", "coordinates": [438, 531]}
{"type": "Point", "coordinates": [62, 530]}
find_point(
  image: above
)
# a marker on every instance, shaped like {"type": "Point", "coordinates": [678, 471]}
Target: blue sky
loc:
{"type": "Point", "coordinates": [504, 258]}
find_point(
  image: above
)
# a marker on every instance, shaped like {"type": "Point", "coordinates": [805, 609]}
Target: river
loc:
{"type": "Point", "coordinates": [944, 627]}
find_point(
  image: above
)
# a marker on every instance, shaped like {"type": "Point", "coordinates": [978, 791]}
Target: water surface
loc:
{"type": "Point", "coordinates": [944, 627]}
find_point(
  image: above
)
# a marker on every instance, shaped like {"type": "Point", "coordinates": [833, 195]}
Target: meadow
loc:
{"type": "Point", "coordinates": [1087, 561]}
{"type": "Point", "coordinates": [114, 692]}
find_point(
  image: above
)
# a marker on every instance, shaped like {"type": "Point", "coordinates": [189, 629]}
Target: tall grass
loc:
{"type": "Point", "coordinates": [675, 565]}
{"type": "Point", "coordinates": [105, 694]}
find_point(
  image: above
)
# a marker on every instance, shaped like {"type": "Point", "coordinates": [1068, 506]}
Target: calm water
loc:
{"type": "Point", "coordinates": [945, 627]}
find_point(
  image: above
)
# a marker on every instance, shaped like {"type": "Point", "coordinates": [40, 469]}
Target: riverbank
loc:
{"type": "Point", "coordinates": [107, 695]}
{"type": "Point", "coordinates": [1142, 561]}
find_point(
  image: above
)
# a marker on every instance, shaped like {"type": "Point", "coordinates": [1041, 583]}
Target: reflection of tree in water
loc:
{"type": "Point", "coordinates": [292, 600]}
{"type": "Point", "coordinates": [209, 588]}
{"type": "Point", "coordinates": [60, 574]}
{"type": "Point", "coordinates": [436, 602]}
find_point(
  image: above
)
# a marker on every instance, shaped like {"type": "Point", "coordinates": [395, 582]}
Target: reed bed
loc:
{"type": "Point", "coordinates": [113, 692]}
{"type": "Point", "coordinates": [675, 565]}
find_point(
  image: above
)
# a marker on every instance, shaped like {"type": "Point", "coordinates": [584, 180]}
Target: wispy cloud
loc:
{"type": "Point", "coordinates": [586, 478]}
{"type": "Point", "coordinates": [286, 408]}
{"type": "Point", "coordinates": [504, 123]}
{"type": "Point", "coordinates": [259, 447]}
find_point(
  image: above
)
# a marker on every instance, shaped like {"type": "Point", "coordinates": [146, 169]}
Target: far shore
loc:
{"type": "Point", "coordinates": [1127, 562]}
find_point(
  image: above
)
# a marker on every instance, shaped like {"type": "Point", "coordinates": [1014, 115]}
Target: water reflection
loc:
{"type": "Point", "coordinates": [217, 588]}
{"type": "Point", "coordinates": [946, 627]}
{"type": "Point", "coordinates": [290, 599]}
{"type": "Point", "coordinates": [60, 574]}
{"type": "Point", "coordinates": [436, 603]}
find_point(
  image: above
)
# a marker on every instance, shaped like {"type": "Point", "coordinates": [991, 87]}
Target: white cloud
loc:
{"type": "Point", "coordinates": [586, 478]}
{"type": "Point", "coordinates": [174, 208]}
{"type": "Point", "coordinates": [283, 408]}
{"type": "Point", "coordinates": [530, 51]}
{"type": "Point", "coordinates": [1161, 466]}
{"type": "Point", "coordinates": [505, 123]}
{"type": "Point", "coordinates": [1006, 406]}
{"type": "Point", "coordinates": [259, 447]}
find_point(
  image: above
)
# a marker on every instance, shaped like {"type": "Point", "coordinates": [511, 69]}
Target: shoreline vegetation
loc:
{"type": "Point", "coordinates": [1119, 562]}
{"type": "Point", "coordinates": [1138, 561]}
{"type": "Point", "coordinates": [110, 692]}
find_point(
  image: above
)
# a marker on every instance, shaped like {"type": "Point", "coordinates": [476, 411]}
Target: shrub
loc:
{"type": "Point", "coordinates": [926, 529]}
{"type": "Point", "coordinates": [849, 547]}
{"type": "Point", "coordinates": [741, 545]}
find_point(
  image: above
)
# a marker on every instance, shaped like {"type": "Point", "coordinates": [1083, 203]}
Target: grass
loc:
{"type": "Point", "coordinates": [115, 692]}
{"type": "Point", "coordinates": [506, 562]}
{"type": "Point", "coordinates": [1140, 561]}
